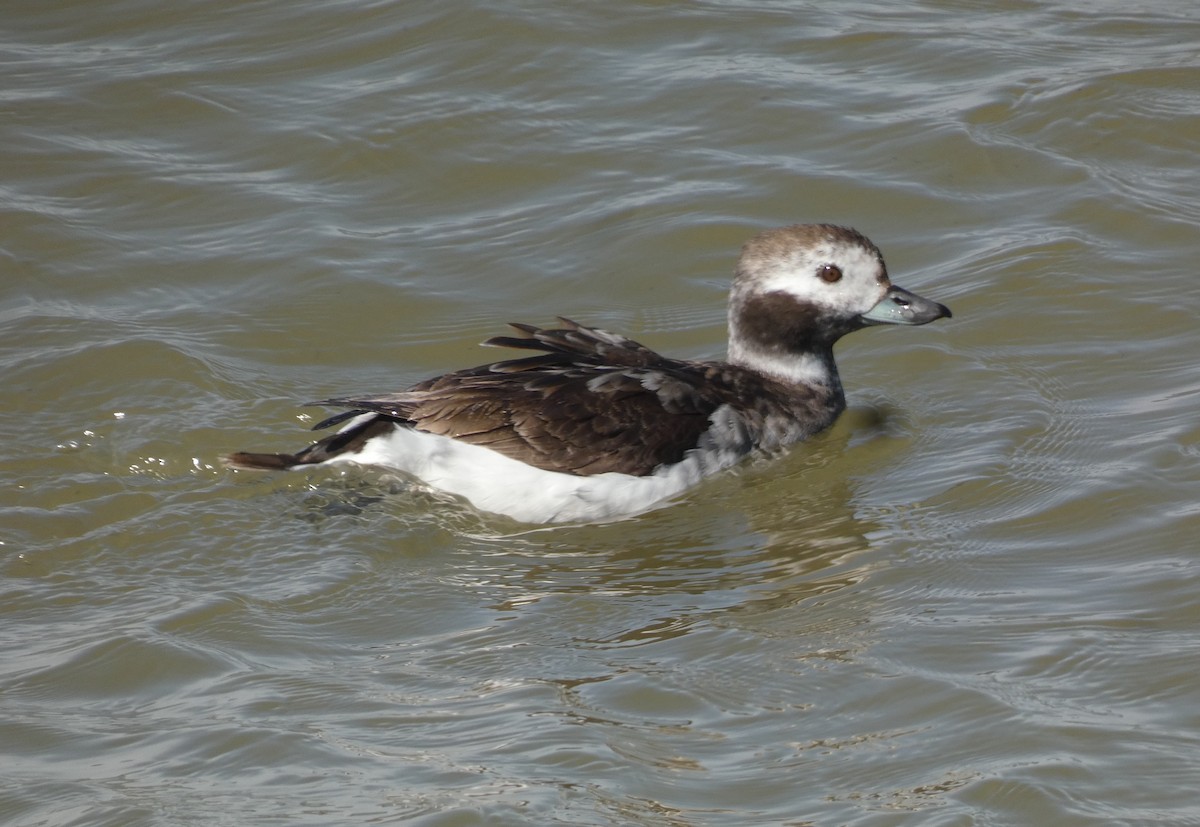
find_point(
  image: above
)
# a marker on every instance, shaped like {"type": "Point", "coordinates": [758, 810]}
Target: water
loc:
{"type": "Point", "coordinates": [972, 602]}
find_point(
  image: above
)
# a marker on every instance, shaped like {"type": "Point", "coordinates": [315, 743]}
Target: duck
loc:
{"type": "Point", "coordinates": [587, 426]}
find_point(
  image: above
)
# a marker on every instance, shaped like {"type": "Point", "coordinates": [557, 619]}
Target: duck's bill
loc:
{"type": "Point", "coordinates": [899, 306]}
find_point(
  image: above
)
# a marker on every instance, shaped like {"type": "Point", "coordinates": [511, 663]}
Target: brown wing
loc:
{"type": "Point", "coordinates": [587, 403]}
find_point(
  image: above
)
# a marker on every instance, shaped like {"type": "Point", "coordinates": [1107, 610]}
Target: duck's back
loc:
{"type": "Point", "coordinates": [592, 402]}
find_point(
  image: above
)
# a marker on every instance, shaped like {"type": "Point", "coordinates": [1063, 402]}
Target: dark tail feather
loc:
{"type": "Point", "coordinates": [261, 462]}
{"type": "Point", "coordinates": [350, 440]}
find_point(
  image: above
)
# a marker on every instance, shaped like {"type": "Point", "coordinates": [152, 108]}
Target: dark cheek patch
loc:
{"type": "Point", "coordinates": [779, 321]}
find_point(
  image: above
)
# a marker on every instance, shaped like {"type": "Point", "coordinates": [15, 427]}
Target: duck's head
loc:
{"type": "Point", "coordinates": [799, 289]}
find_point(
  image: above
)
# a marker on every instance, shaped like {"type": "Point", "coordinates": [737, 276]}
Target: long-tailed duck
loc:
{"type": "Point", "coordinates": [595, 426]}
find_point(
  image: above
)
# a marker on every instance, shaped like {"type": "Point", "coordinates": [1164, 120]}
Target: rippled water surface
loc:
{"type": "Point", "coordinates": [973, 601]}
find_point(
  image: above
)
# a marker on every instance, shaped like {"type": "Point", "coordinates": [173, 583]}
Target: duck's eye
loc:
{"type": "Point", "coordinates": [830, 273]}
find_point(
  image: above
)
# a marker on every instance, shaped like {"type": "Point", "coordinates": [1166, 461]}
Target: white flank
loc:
{"type": "Point", "coordinates": [493, 482]}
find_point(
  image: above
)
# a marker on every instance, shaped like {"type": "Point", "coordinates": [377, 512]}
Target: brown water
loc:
{"type": "Point", "coordinates": [975, 601]}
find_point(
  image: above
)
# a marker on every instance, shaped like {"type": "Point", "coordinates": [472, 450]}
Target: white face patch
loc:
{"type": "Point", "coordinates": [798, 273]}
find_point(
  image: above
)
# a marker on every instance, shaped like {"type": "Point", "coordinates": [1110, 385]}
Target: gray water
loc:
{"type": "Point", "coordinates": [972, 602]}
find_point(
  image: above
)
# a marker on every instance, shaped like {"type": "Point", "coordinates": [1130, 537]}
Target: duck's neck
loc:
{"type": "Point", "coordinates": [773, 335]}
{"type": "Point", "coordinates": [807, 368]}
